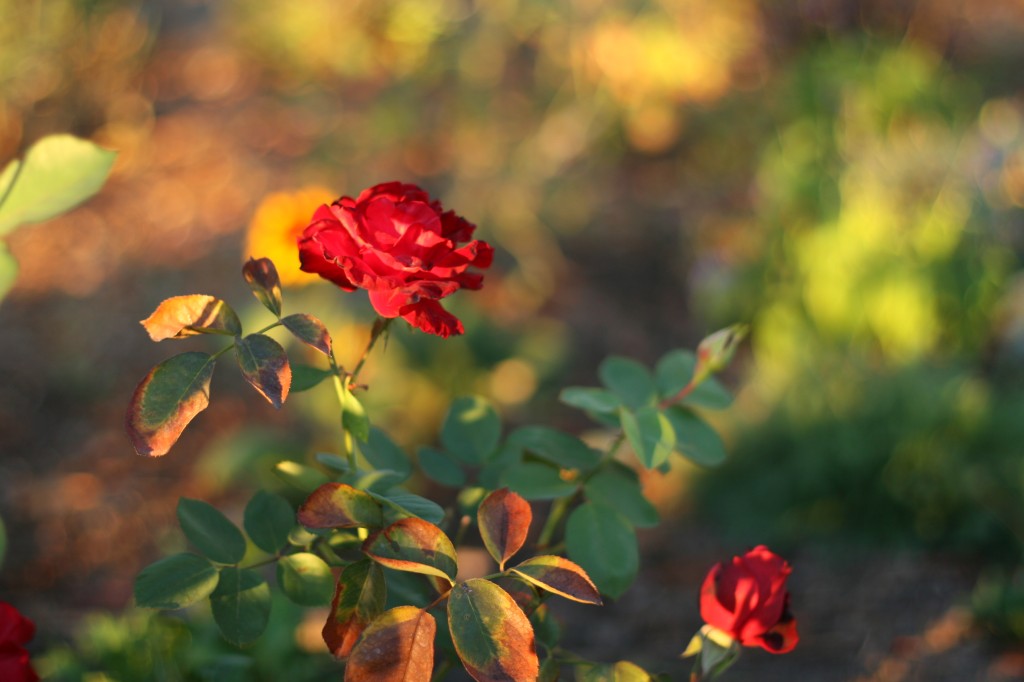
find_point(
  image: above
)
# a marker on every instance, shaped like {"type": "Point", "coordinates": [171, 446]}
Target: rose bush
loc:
{"type": "Point", "coordinates": [15, 632]}
{"type": "Point", "coordinates": [747, 599]}
{"type": "Point", "coordinates": [402, 247]}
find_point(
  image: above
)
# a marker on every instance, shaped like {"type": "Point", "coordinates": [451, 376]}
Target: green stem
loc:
{"type": "Point", "coordinates": [269, 327]}
{"type": "Point", "coordinates": [558, 509]}
{"type": "Point", "coordinates": [10, 187]}
{"type": "Point", "coordinates": [379, 327]}
{"type": "Point", "coordinates": [687, 390]}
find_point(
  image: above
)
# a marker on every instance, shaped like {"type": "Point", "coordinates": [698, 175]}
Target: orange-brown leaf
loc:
{"type": "Point", "coordinates": [182, 316]}
{"type": "Point", "coordinates": [338, 505]}
{"type": "Point", "coordinates": [265, 366]}
{"type": "Point", "coordinates": [504, 519]}
{"type": "Point", "coordinates": [261, 275]}
{"type": "Point", "coordinates": [398, 646]}
{"type": "Point", "coordinates": [358, 599]}
{"type": "Point", "coordinates": [559, 576]}
{"type": "Point", "coordinates": [166, 400]}
{"type": "Point", "coordinates": [416, 546]}
{"type": "Point", "coordinates": [492, 636]}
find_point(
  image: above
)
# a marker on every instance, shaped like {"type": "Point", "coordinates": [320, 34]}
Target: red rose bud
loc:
{"type": "Point", "coordinates": [747, 599]}
{"type": "Point", "coordinates": [15, 631]}
{"type": "Point", "coordinates": [399, 245]}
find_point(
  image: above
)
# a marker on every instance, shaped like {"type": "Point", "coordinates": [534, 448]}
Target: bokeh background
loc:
{"type": "Point", "coordinates": [847, 177]}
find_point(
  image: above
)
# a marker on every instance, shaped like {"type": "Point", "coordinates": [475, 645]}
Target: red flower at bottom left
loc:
{"type": "Point", "coordinates": [15, 632]}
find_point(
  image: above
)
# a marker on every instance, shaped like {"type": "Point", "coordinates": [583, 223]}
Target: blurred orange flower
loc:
{"type": "Point", "coordinates": [276, 226]}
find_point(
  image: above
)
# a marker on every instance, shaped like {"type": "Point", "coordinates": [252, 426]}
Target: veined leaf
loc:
{"type": "Point", "coordinates": [358, 599]}
{"type": "Point", "coordinates": [416, 546]}
{"type": "Point", "coordinates": [650, 434]}
{"type": "Point", "coordinates": [629, 380]}
{"type": "Point", "coordinates": [268, 520]}
{"type": "Point", "coordinates": [210, 531]}
{"type": "Point", "coordinates": [338, 505]}
{"type": "Point", "coordinates": [179, 317]}
{"type": "Point", "coordinates": [264, 365]}
{"type": "Point", "coordinates": [603, 543]}
{"type": "Point", "coordinates": [241, 605]}
{"type": "Point", "coordinates": [261, 275]}
{"type": "Point", "coordinates": [175, 582]}
{"type": "Point", "coordinates": [559, 576]}
{"type": "Point", "coordinates": [504, 520]}
{"type": "Point", "coordinates": [309, 330]}
{"type": "Point", "coordinates": [493, 637]}
{"type": "Point", "coordinates": [598, 400]}
{"type": "Point", "coordinates": [398, 646]}
{"type": "Point", "coordinates": [166, 400]}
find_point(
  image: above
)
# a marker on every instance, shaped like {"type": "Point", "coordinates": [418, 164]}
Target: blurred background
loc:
{"type": "Point", "coordinates": [847, 177]}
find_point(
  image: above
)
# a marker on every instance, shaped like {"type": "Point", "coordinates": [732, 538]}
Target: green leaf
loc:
{"type": "Point", "coordinates": [559, 576]}
{"type": "Point", "coordinates": [537, 481]}
{"type": "Point", "coordinates": [441, 467]}
{"type": "Point", "coordinates": [269, 518]}
{"type": "Point", "coordinates": [598, 400]}
{"type": "Point", "coordinates": [353, 415]}
{"type": "Point", "coordinates": [175, 582]}
{"type": "Point", "coordinates": [629, 380]}
{"type": "Point", "coordinates": [617, 486]}
{"type": "Point", "coordinates": [650, 434]}
{"type": "Point", "coordinates": [695, 440]}
{"type": "Point", "coordinates": [379, 480]}
{"type": "Point", "coordinates": [603, 543]}
{"type": "Point", "coordinates": [623, 671]}
{"type": "Point", "coordinates": [264, 365]}
{"type": "Point", "coordinates": [471, 430]}
{"type": "Point", "coordinates": [210, 531]}
{"type": "Point", "coordinates": [333, 461]}
{"type": "Point", "coordinates": [305, 377]}
{"type": "Point", "coordinates": [306, 579]}
{"type": "Point", "coordinates": [338, 505]}
{"type": "Point", "coordinates": [415, 546]}
{"type": "Point", "coordinates": [300, 476]}
{"type": "Point", "coordinates": [493, 637]}
{"type": "Point", "coordinates": [166, 400]}
{"type": "Point", "coordinates": [504, 520]}
{"type": "Point", "coordinates": [674, 372]}
{"type": "Point", "coordinates": [382, 453]}
{"type": "Point", "coordinates": [404, 505]}
{"type": "Point", "coordinates": [58, 173]}
{"type": "Point", "coordinates": [8, 270]}
{"type": "Point", "coordinates": [358, 599]}
{"type": "Point", "coordinates": [262, 278]}
{"type": "Point", "coordinates": [180, 317]}
{"type": "Point", "coordinates": [398, 646]}
{"type": "Point", "coordinates": [554, 446]}
{"type": "Point", "coordinates": [241, 605]}
{"type": "Point", "coordinates": [310, 331]}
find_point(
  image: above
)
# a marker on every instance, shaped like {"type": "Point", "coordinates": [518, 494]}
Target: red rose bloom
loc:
{"type": "Point", "coordinates": [747, 599]}
{"type": "Point", "coordinates": [399, 245]}
{"type": "Point", "coordinates": [15, 631]}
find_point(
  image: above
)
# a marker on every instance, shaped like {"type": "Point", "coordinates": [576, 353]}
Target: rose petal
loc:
{"type": "Point", "coordinates": [430, 317]}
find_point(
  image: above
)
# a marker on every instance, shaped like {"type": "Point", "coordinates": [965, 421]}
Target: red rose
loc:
{"type": "Point", "coordinates": [747, 599]}
{"type": "Point", "coordinates": [15, 631]}
{"type": "Point", "coordinates": [399, 245]}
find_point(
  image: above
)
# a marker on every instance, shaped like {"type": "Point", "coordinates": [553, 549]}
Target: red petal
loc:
{"type": "Point", "coordinates": [430, 317]}
{"type": "Point", "coordinates": [783, 637]}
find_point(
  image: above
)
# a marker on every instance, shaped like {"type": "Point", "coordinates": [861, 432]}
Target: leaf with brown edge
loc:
{"type": "Point", "coordinates": [309, 330]}
{"type": "Point", "coordinates": [398, 646]}
{"type": "Point", "coordinates": [559, 576]}
{"type": "Point", "coordinates": [492, 636]}
{"type": "Point", "coordinates": [264, 365]}
{"type": "Point", "coordinates": [358, 599]}
{"type": "Point", "coordinates": [261, 275]}
{"type": "Point", "coordinates": [182, 316]}
{"type": "Point", "coordinates": [166, 400]}
{"type": "Point", "coordinates": [504, 519]}
{"type": "Point", "coordinates": [338, 505]}
{"type": "Point", "coordinates": [415, 546]}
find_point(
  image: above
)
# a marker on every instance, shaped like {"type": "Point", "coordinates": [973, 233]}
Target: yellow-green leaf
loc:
{"type": "Point", "coordinates": [181, 316]}
{"type": "Point", "coordinates": [416, 546]}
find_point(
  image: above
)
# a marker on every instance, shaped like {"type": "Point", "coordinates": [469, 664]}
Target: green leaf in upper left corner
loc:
{"type": "Point", "coordinates": [58, 173]}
